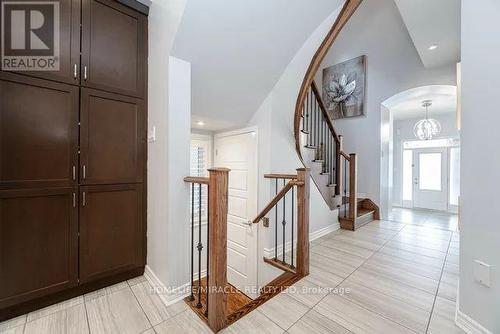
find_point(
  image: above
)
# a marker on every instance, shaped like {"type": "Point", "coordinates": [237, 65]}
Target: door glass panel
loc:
{"type": "Point", "coordinates": [407, 175]}
{"type": "Point", "coordinates": [430, 171]}
{"type": "Point", "coordinates": [454, 175]}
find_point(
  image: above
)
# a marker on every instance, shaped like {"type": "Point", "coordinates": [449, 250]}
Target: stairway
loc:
{"type": "Point", "coordinates": [333, 171]}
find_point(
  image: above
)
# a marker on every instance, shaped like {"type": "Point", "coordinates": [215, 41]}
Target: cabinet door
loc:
{"type": "Point", "coordinates": [38, 243]}
{"type": "Point", "coordinates": [38, 133]}
{"type": "Point", "coordinates": [69, 42]}
{"type": "Point", "coordinates": [111, 230]}
{"type": "Point", "coordinates": [112, 138]}
{"type": "Point", "coordinates": [114, 44]}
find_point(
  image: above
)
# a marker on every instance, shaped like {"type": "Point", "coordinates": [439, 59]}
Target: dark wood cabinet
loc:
{"type": "Point", "coordinates": [38, 132]}
{"type": "Point", "coordinates": [73, 161]}
{"type": "Point", "coordinates": [111, 230]}
{"type": "Point", "coordinates": [38, 243]}
{"type": "Point", "coordinates": [69, 45]}
{"type": "Point", "coordinates": [112, 138]}
{"type": "Point", "coordinates": [113, 61]}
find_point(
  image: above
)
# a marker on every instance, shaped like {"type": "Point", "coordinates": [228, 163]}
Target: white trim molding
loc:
{"type": "Point", "coordinates": [167, 296]}
{"type": "Point", "coordinates": [269, 252]}
{"type": "Point", "coordinates": [468, 324]}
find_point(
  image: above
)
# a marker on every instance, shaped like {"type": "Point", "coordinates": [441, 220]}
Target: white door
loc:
{"type": "Point", "coordinates": [430, 190]}
{"type": "Point", "coordinates": [237, 150]}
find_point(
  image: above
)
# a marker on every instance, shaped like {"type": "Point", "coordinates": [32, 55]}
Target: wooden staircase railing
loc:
{"type": "Point", "coordinates": [216, 301]}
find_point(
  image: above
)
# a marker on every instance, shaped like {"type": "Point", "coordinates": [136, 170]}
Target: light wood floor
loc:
{"type": "Point", "coordinates": [387, 277]}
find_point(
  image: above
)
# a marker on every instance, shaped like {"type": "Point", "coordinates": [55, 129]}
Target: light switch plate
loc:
{"type": "Point", "coordinates": [482, 273]}
{"type": "Point", "coordinates": [152, 135]}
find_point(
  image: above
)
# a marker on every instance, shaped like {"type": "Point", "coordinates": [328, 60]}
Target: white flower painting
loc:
{"type": "Point", "coordinates": [344, 88]}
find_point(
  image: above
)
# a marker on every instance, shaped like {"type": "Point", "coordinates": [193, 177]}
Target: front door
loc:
{"type": "Point", "coordinates": [430, 178]}
{"type": "Point", "coordinates": [237, 150]}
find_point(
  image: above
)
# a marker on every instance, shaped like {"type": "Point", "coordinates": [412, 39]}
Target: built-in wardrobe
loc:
{"type": "Point", "coordinates": [73, 161]}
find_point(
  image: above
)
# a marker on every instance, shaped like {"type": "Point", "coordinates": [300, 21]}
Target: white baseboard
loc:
{"type": "Point", "coordinates": [167, 296]}
{"type": "Point", "coordinates": [269, 252]}
{"type": "Point", "coordinates": [468, 324]}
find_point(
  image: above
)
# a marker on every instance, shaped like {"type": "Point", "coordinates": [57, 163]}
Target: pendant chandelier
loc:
{"type": "Point", "coordinates": [427, 128]}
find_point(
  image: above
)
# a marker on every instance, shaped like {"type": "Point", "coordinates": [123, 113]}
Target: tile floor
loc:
{"type": "Point", "coordinates": [387, 277]}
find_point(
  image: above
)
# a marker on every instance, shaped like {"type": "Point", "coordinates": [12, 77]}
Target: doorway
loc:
{"type": "Point", "coordinates": [430, 178]}
{"type": "Point", "coordinates": [237, 150]}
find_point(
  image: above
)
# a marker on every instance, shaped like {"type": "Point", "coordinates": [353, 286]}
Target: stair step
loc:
{"type": "Point", "coordinates": [305, 132]}
{"type": "Point", "coordinates": [280, 265]}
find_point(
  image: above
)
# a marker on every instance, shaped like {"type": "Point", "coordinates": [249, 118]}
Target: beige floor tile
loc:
{"type": "Point", "coordinates": [348, 248]}
{"type": "Point", "coordinates": [149, 331]}
{"type": "Point", "coordinates": [416, 249]}
{"type": "Point", "coordinates": [417, 281]}
{"type": "Point", "coordinates": [153, 306]}
{"type": "Point", "coordinates": [284, 310]}
{"type": "Point", "coordinates": [314, 323]}
{"type": "Point", "coordinates": [389, 307]}
{"type": "Point", "coordinates": [11, 323]}
{"type": "Point", "coordinates": [405, 265]}
{"type": "Point", "coordinates": [352, 260]}
{"type": "Point", "coordinates": [452, 268]}
{"type": "Point", "coordinates": [118, 312]}
{"type": "Point", "coordinates": [331, 265]}
{"type": "Point", "coordinates": [186, 322]}
{"type": "Point", "coordinates": [54, 308]}
{"type": "Point", "coordinates": [356, 318]}
{"type": "Point", "coordinates": [386, 225]}
{"type": "Point", "coordinates": [413, 257]}
{"type": "Point", "coordinates": [372, 245]}
{"type": "Point", "coordinates": [72, 320]}
{"type": "Point", "coordinates": [423, 242]}
{"type": "Point", "coordinates": [448, 286]}
{"type": "Point", "coordinates": [453, 250]}
{"type": "Point", "coordinates": [390, 287]}
{"type": "Point", "coordinates": [323, 278]}
{"type": "Point", "coordinates": [367, 235]}
{"type": "Point", "coordinates": [13, 330]}
{"type": "Point", "coordinates": [137, 280]}
{"type": "Point", "coordinates": [254, 322]}
{"type": "Point", "coordinates": [105, 291]}
{"type": "Point", "coordinates": [307, 292]}
{"type": "Point", "coordinates": [453, 259]}
{"type": "Point", "coordinates": [443, 318]}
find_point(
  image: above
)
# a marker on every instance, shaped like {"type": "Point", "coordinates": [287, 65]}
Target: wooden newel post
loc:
{"type": "Point", "coordinates": [353, 186]}
{"type": "Point", "coordinates": [303, 222]}
{"type": "Point", "coordinates": [217, 249]}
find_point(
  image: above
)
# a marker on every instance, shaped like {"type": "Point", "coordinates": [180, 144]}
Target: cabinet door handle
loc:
{"type": "Point", "coordinates": [84, 199]}
{"type": "Point", "coordinates": [74, 200]}
{"type": "Point", "coordinates": [74, 172]}
{"type": "Point", "coordinates": [75, 71]}
{"type": "Point", "coordinates": [85, 72]}
{"type": "Point", "coordinates": [84, 172]}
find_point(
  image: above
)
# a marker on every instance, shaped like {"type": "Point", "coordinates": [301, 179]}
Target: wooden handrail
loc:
{"type": "Point", "coordinates": [280, 176]}
{"type": "Point", "coordinates": [273, 202]}
{"type": "Point", "coordinates": [347, 11]}
{"type": "Point", "coordinates": [196, 179]}
{"type": "Point", "coordinates": [323, 111]}
{"type": "Point", "coordinates": [345, 155]}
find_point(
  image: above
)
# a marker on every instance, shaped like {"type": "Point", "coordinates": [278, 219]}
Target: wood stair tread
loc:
{"type": "Point", "coordinates": [280, 265]}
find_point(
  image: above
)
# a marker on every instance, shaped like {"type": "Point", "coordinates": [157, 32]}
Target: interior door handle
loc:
{"type": "Point", "coordinates": [85, 72]}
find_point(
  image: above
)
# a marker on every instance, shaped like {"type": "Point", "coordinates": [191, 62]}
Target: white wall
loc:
{"type": "Point", "coordinates": [393, 65]}
{"type": "Point", "coordinates": [170, 115]}
{"type": "Point", "coordinates": [274, 119]}
{"type": "Point", "coordinates": [480, 177]}
{"type": "Point", "coordinates": [403, 130]}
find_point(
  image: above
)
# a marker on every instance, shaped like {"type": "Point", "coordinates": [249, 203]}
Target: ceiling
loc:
{"type": "Point", "coordinates": [408, 104]}
{"type": "Point", "coordinates": [238, 51]}
{"type": "Point", "coordinates": [433, 22]}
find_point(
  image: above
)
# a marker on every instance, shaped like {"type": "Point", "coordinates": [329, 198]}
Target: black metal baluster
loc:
{"type": "Point", "coordinates": [208, 246]}
{"type": "Point", "coordinates": [293, 214]}
{"type": "Point", "coordinates": [311, 119]}
{"type": "Point", "coordinates": [283, 223]}
{"type": "Point", "coordinates": [191, 296]}
{"type": "Point", "coordinates": [276, 224]}
{"type": "Point", "coordinates": [200, 247]}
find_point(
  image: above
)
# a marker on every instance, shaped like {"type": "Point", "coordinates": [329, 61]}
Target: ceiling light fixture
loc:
{"type": "Point", "coordinates": [427, 128]}
{"type": "Point", "coordinates": [200, 123]}
{"type": "Point", "coordinates": [433, 47]}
